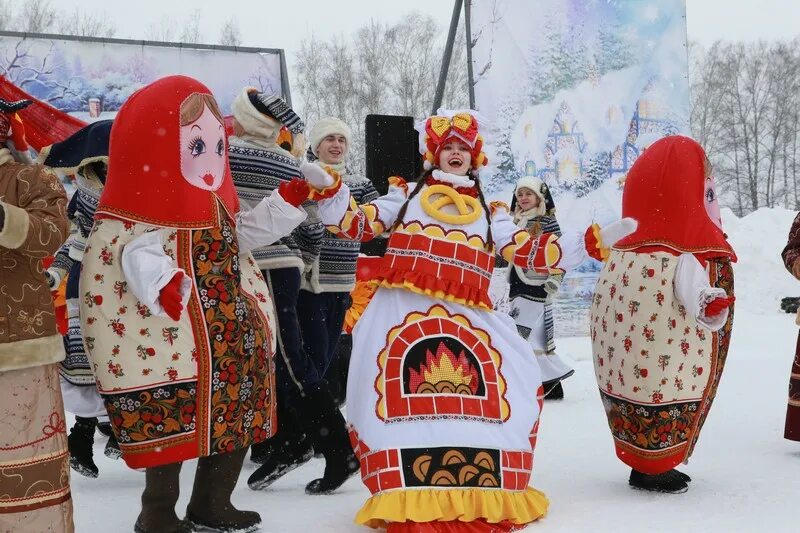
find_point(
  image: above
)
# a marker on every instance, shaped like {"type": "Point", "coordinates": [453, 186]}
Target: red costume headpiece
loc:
{"type": "Point", "coordinates": [664, 193]}
{"type": "Point", "coordinates": [145, 181]}
{"type": "Point", "coordinates": [441, 129]}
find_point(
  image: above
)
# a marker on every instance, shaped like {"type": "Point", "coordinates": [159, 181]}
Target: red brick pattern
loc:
{"type": "Point", "coordinates": [402, 406]}
{"type": "Point", "coordinates": [453, 263]}
{"type": "Point", "coordinates": [516, 466]}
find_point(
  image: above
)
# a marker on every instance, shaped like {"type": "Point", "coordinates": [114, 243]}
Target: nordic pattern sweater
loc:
{"type": "Point", "coordinates": [335, 270]}
{"type": "Point", "coordinates": [257, 171]}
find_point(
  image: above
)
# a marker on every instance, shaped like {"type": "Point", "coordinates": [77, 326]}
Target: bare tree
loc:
{"type": "Point", "coordinates": [191, 29]}
{"type": "Point", "coordinates": [164, 31]}
{"type": "Point", "coordinates": [379, 69]}
{"type": "Point", "coordinates": [86, 24]}
{"type": "Point", "coordinates": [230, 34]}
{"type": "Point", "coordinates": [37, 16]}
{"type": "Point", "coordinates": [746, 112]}
{"type": "Point", "coordinates": [6, 15]}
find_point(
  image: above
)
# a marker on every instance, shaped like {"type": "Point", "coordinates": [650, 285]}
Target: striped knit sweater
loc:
{"type": "Point", "coordinates": [80, 211]}
{"type": "Point", "coordinates": [257, 171]}
{"type": "Point", "coordinates": [335, 270]}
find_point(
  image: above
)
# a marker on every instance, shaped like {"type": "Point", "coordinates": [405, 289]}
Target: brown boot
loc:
{"type": "Point", "coordinates": [210, 508]}
{"type": "Point", "coordinates": [158, 502]}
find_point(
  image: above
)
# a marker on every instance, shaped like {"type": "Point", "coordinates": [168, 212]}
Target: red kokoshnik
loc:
{"type": "Point", "coordinates": [145, 182]}
{"type": "Point", "coordinates": [664, 193]}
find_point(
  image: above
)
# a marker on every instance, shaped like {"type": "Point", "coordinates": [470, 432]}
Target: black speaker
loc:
{"type": "Point", "coordinates": [392, 149]}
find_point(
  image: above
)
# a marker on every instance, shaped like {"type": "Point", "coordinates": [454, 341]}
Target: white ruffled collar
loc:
{"type": "Point", "coordinates": [453, 179]}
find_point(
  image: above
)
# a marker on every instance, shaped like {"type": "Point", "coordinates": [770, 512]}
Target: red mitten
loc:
{"type": "Point", "coordinates": [718, 305]}
{"type": "Point", "coordinates": [170, 297]}
{"type": "Point", "coordinates": [294, 192]}
{"type": "Point", "coordinates": [591, 242]}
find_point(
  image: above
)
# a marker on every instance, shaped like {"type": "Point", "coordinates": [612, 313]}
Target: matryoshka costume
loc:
{"type": "Point", "coordinates": [443, 395]}
{"type": "Point", "coordinates": [177, 320]}
{"type": "Point", "coordinates": [662, 314]}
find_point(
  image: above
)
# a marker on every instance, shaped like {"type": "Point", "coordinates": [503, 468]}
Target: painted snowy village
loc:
{"type": "Point", "coordinates": [476, 266]}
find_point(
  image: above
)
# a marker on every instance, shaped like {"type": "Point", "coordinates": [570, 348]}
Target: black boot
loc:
{"type": "Point", "coordinates": [681, 475]}
{"type": "Point", "coordinates": [328, 432]}
{"type": "Point", "coordinates": [555, 392]}
{"type": "Point", "coordinates": [105, 428]}
{"type": "Point", "coordinates": [210, 508]}
{"type": "Point", "coordinates": [158, 502]}
{"type": "Point", "coordinates": [112, 450]}
{"type": "Point", "coordinates": [337, 374]}
{"type": "Point", "coordinates": [281, 454]}
{"type": "Point", "coordinates": [667, 482]}
{"type": "Point", "coordinates": [80, 442]}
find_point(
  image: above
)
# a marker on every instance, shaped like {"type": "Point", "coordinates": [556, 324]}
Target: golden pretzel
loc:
{"type": "Point", "coordinates": [469, 208]}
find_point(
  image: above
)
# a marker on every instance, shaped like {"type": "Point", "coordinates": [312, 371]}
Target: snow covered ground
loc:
{"type": "Point", "coordinates": [746, 476]}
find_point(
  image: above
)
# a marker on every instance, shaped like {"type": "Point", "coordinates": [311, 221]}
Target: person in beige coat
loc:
{"type": "Point", "coordinates": [34, 485]}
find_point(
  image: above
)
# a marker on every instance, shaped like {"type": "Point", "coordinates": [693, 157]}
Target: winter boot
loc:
{"type": "Point", "coordinates": [282, 453]}
{"type": "Point", "coordinates": [158, 502]}
{"type": "Point", "coordinates": [210, 508]}
{"type": "Point", "coordinates": [112, 450]}
{"type": "Point", "coordinates": [327, 428]}
{"type": "Point", "coordinates": [681, 475]}
{"type": "Point", "coordinates": [667, 482]}
{"type": "Point", "coordinates": [80, 442]}
{"type": "Point", "coordinates": [105, 428]}
{"type": "Point", "coordinates": [555, 392]}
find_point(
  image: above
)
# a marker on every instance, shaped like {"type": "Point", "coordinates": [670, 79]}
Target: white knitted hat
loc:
{"type": "Point", "coordinates": [328, 126]}
{"type": "Point", "coordinates": [535, 184]}
{"type": "Point", "coordinates": [251, 119]}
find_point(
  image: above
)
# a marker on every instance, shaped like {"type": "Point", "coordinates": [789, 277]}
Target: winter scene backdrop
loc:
{"type": "Point", "coordinates": [92, 79]}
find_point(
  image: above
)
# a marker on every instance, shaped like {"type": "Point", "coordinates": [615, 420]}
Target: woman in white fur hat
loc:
{"type": "Point", "coordinates": [531, 292]}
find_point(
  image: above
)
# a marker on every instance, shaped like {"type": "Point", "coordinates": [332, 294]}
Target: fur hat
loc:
{"type": "Point", "coordinates": [328, 126]}
{"type": "Point", "coordinates": [546, 204]}
{"type": "Point", "coordinates": [262, 115]}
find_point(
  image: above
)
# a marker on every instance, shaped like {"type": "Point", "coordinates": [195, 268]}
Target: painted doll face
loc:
{"type": "Point", "coordinates": [455, 158]}
{"type": "Point", "coordinates": [710, 199]}
{"type": "Point", "coordinates": [526, 198]}
{"type": "Point", "coordinates": [711, 202]}
{"type": "Point", "coordinates": [203, 151]}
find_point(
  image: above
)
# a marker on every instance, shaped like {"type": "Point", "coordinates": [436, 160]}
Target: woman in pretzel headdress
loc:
{"type": "Point", "coordinates": [443, 395]}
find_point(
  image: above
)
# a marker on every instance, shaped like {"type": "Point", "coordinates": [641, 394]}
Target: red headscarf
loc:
{"type": "Point", "coordinates": [664, 192]}
{"type": "Point", "coordinates": [144, 181]}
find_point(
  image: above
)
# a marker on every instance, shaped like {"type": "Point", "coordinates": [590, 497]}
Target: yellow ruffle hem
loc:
{"type": "Point", "coordinates": [466, 505]}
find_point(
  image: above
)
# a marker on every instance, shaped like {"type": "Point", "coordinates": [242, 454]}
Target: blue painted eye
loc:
{"type": "Point", "coordinates": [197, 146]}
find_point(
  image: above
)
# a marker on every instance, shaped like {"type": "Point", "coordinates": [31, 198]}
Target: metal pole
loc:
{"type": "Point", "coordinates": [448, 55]}
{"type": "Point", "coordinates": [287, 95]}
{"type": "Point", "coordinates": [468, 29]}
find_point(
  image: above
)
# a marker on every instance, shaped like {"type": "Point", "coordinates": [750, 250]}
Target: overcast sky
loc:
{"type": "Point", "coordinates": [282, 24]}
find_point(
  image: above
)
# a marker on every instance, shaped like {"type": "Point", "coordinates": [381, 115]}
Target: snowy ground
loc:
{"type": "Point", "coordinates": [746, 477]}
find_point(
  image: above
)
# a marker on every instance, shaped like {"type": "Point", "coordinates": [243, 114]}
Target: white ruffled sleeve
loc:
{"type": "Point", "coordinates": [148, 269]}
{"type": "Point", "coordinates": [272, 218]}
{"type": "Point", "coordinates": [694, 292]}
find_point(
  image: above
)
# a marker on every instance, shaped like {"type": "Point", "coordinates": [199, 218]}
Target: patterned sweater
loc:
{"type": "Point", "coordinates": [257, 171]}
{"type": "Point", "coordinates": [80, 211]}
{"type": "Point", "coordinates": [335, 270]}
